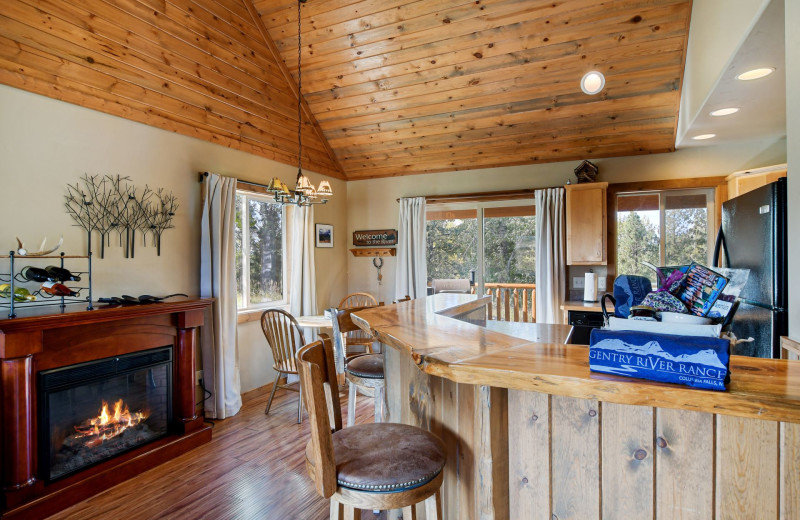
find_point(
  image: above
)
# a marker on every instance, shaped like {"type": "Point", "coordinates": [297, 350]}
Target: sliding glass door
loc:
{"type": "Point", "coordinates": [492, 245]}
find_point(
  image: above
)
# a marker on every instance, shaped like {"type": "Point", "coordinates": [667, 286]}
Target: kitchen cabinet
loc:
{"type": "Point", "coordinates": [740, 183]}
{"type": "Point", "coordinates": [586, 223]}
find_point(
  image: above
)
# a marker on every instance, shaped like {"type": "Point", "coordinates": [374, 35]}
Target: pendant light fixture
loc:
{"type": "Point", "coordinates": [304, 193]}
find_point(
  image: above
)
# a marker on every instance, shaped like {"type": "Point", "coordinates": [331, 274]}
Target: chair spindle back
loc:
{"type": "Point", "coordinates": [359, 299]}
{"type": "Point", "coordinates": [284, 337]}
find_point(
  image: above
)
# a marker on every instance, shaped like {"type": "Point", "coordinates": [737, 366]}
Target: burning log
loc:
{"type": "Point", "coordinates": [107, 426]}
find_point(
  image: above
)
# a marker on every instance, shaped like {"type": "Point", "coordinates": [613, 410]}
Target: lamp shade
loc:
{"type": "Point", "coordinates": [275, 185]}
{"type": "Point", "coordinates": [303, 184]}
{"type": "Point", "coordinates": [324, 189]}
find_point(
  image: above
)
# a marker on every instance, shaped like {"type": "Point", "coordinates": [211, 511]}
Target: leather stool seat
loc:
{"type": "Point", "coordinates": [368, 366]}
{"type": "Point", "coordinates": [385, 457]}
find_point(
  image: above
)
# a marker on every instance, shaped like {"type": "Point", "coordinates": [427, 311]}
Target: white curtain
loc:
{"type": "Point", "coordinates": [550, 254]}
{"type": "Point", "coordinates": [412, 270]}
{"type": "Point", "coordinates": [218, 280]}
{"type": "Point", "coordinates": [302, 290]}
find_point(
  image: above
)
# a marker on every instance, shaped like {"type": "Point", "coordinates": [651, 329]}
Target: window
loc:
{"type": "Point", "coordinates": [508, 243]}
{"type": "Point", "coordinates": [260, 249]}
{"type": "Point", "coordinates": [664, 228]}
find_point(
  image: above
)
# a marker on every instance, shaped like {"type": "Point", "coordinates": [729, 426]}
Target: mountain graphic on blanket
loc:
{"type": "Point", "coordinates": [694, 361]}
{"type": "Point", "coordinates": [652, 348]}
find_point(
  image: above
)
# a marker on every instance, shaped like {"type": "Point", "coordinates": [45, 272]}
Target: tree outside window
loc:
{"type": "Point", "coordinates": [667, 228]}
{"type": "Point", "coordinates": [508, 240]}
{"type": "Point", "coordinates": [260, 250]}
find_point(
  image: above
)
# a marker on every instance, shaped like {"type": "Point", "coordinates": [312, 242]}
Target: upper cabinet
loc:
{"type": "Point", "coordinates": [740, 183]}
{"type": "Point", "coordinates": [586, 223]}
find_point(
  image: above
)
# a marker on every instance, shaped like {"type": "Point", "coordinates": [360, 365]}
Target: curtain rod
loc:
{"type": "Point", "coordinates": [526, 193]}
{"type": "Point", "coordinates": [203, 176]}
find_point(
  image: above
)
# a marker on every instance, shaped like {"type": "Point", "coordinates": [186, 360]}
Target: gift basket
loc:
{"type": "Point", "coordinates": [673, 333]}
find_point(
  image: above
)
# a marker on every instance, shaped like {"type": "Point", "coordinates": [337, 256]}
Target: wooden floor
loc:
{"type": "Point", "coordinates": [254, 468]}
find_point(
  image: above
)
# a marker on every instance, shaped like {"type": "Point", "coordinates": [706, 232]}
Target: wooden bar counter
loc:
{"type": "Point", "coordinates": [533, 434]}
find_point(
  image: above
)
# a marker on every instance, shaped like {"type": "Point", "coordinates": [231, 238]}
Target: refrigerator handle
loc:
{"type": "Point", "coordinates": [720, 243]}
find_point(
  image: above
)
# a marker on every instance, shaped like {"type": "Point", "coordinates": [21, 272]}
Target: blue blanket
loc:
{"type": "Point", "coordinates": [686, 360]}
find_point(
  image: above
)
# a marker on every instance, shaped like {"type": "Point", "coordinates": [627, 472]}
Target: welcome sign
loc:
{"type": "Point", "coordinates": [687, 360]}
{"type": "Point", "coordinates": [375, 237]}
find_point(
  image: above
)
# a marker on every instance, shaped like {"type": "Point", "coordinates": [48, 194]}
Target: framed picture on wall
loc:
{"type": "Point", "coordinates": [324, 234]}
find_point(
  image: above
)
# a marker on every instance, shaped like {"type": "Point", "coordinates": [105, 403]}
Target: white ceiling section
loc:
{"type": "Point", "coordinates": [761, 103]}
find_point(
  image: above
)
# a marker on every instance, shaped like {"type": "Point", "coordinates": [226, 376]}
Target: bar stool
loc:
{"type": "Point", "coordinates": [369, 466]}
{"type": "Point", "coordinates": [363, 372]}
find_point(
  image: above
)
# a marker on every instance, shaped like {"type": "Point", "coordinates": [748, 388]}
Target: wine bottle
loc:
{"type": "Point", "coordinates": [60, 274]}
{"type": "Point", "coordinates": [21, 294]}
{"type": "Point", "coordinates": [58, 289]}
{"type": "Point", "coordinates": [34, 274]}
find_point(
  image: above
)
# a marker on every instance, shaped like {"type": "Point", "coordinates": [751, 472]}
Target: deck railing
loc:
{"type": "Point", "coordinates": [511, 301]}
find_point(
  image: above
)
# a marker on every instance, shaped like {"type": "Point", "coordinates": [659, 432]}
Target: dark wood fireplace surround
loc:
{"type": "Point", "coordinates": [38, 341]}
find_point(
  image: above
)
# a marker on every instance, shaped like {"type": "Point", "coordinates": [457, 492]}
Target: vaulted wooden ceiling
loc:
{"type": "Point", "coordinates": [391, 87]}
{"type": "Point", "coordinates": [411, 86]}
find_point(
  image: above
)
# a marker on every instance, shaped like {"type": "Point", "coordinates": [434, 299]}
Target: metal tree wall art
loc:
{"type": "Point", "coordinates": [111, 204]}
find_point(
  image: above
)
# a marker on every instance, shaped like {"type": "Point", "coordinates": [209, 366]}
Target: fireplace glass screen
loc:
{"type": "Point", "coordinates": [94, 411]}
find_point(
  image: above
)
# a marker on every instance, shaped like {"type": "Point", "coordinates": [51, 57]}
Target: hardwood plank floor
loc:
{"type": "Point", "coordinates": [254, 468]}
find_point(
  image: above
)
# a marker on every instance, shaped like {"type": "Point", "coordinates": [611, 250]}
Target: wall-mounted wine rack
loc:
{"type": "Point", "coordinates": [43, 299]}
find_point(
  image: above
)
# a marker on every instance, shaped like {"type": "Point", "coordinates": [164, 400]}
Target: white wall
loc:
{"type": "Point", "coordinates": [46, 144]}
{"type": "Point", "coordinates": [793, 157]}
{"type": "Point", "coordinates": [372, 203]}
{"type": "Point", "coordinates": [717, 30]}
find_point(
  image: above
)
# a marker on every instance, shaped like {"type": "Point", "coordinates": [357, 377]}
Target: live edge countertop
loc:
{"type": "Point", "coordinates": [443, 346]}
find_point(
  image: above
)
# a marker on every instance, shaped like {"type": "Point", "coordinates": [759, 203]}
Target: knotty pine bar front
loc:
{"type": "Point", "coordinates": [533, 434]}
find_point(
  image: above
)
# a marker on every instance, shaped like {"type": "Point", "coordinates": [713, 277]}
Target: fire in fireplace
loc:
{"type": "Point", "coordinates": [106, 426]}
{"type": "Point", "coordinates": [80, 428]}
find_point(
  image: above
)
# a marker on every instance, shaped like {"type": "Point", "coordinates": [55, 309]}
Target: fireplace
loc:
{"type": "Point", "coordinates": [88, 399]}
{"type": "Point", "coordinates": [90, 412]}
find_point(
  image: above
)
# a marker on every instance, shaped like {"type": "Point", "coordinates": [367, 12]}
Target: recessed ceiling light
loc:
{"type": "Point", "coordinates": [755, 74]}
{"type": "Point", "coordinates": [703, 137]}
{"type": "Point", "coordinates": [724, 111]}
{"type": "Point", "coordinates": [593, 82]}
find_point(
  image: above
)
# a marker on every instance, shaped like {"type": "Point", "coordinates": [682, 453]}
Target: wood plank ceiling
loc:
{"type": "Point", "coordinates": [403, 87]}
{"type": "Point", "coordinates": [202, 68]}
{"type": "Point", "coordinates": [393, 87]}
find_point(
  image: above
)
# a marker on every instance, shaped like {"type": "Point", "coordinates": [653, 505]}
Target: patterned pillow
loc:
{"type": "Point", "coordinates": [662, 301]}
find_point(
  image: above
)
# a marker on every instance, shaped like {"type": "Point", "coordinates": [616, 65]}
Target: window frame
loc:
{"type": "Point", "coordinates": [479, 208]}
{"type": "Point", "coordinates": [255, 309]}
{"type": "Point", "coordinates": [663, 194]}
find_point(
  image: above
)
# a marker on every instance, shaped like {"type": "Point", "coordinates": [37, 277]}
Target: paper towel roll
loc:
{"type": "Point", "coordinates": [590, 288]}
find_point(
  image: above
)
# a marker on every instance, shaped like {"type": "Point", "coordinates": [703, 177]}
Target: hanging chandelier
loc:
{"type": "Point", "coordinates": [304, 193]}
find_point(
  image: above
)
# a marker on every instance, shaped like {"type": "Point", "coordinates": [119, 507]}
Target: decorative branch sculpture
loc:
{"type": "Point", "coordinates": [78, 206]}
{"type": "Point", "coordinates": [111, 203]}
{"type": "Point", "coordinates": [160, 214]}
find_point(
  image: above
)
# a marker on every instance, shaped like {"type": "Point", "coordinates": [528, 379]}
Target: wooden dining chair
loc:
{"type": "Point", "coordinates": [363, 372]}
{"type": "Point", "coordinates": [368, 466]}
{"type": "Point", "coordinates": [358, 336]}
{"type": "Point", "coordinates": [284, 338]}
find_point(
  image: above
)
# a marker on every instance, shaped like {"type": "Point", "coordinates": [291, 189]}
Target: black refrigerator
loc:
{"type": "Point", "coordinates": [753, 236]}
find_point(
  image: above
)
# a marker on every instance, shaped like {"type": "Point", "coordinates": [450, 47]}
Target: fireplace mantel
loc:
{"type": "Point", "coordinates": [39, 340]}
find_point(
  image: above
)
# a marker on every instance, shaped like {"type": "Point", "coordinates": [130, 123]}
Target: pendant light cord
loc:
{"type": "Point", "coordinates": [299, 97]}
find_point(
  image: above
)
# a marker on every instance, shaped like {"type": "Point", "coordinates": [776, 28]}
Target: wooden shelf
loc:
{"type": "Point", "coordinates": [374, 251]}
